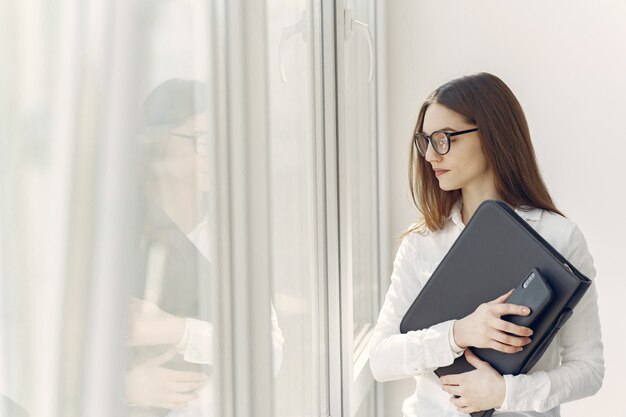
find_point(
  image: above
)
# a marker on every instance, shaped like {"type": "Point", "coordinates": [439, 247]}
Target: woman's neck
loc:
{"type": "Point", "coordinates": [182, 203]}
{"type": "Point", "coordinates": [473, 199]}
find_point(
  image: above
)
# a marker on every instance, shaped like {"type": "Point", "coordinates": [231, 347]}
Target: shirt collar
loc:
{"type": "Point", "coordinates": [455, 213]}
{"type": "Point", "coordinates": [525, 212]}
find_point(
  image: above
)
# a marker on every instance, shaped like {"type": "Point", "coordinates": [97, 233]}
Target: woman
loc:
{"type": "Point", "coordinates": [472, 143]}
{"type": "Point", "coordinates": [171, 307]}
{"type": "Point", "coordinates": [172, 290]}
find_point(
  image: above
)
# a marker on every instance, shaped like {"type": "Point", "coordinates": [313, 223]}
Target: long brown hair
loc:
{"type": "Point", "coordinates": [486, 101]}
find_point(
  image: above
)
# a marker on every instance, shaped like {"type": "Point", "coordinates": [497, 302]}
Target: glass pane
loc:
{"type": "Point", "coordinates": [36, 146]}
{"type": "Point", "coordinates": [170, 354]}
{"type": "Point", "coordinates": [298, 277]}
{"type": "Point", "coordinates": [361, 169]}
{"type": "Point", "coordinates": [368, 406]}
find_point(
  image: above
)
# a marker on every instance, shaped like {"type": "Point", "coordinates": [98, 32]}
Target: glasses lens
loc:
{"type": "Point", "coordinates": [440, 141]}
{"type": "Point", "coordinates": [421, 142]}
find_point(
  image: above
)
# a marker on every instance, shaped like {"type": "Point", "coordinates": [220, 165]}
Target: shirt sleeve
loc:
{"type": "Point", "coordinates": [394, 355]}
{"type": "Point", "coordinates": [458, 351]}
{"type": "Point", "coordinates": [582, 362]}
{"type": "Point", "coordinates": [277, 343]}
{"type": "Point", "coordinates": [196, 344]}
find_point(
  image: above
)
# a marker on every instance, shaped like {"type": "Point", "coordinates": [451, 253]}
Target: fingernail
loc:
{"type": "Point", "coordinates": [525, 310]}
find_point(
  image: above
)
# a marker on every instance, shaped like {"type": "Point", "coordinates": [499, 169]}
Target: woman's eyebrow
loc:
{"type": "Point", "coordinates": [443, 128]}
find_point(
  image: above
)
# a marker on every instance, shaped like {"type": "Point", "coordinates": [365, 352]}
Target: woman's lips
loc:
{"type": "Point", "coordinates": [439, 172]}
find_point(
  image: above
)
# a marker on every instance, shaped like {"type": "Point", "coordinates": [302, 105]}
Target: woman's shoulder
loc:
{"type": "Point", "coordinates": [426, 243]}
{"type": "Point", "coordinates": [555, 228]}
{"type": "Point", "coordinates": [562, 233]}
{"type": "Point", "coordinates": [566, 236]}
{"type": "Point", "coordinates": [554, 223]}
{"type": "Point", "coordinates": [417, 232]}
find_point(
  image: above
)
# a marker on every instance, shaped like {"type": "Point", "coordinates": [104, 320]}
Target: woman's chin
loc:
{"type": "Point", "coordinates": [445, 187]}
{"type": "Point", "coordinates": [449, 188]}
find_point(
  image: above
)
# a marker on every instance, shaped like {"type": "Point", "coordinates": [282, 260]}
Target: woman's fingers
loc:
{"type": "Point", "coordinates": [506, 339]}
{"type": "Point", "coordinates": [484, 328]}
{"type": "Point", "coordinates": [501, 347]}
{"type": "Point", "coordinates": [475, 361]}
{"type": "Point", "coordinates": [501, 299]}
{"type": "Point", "coordinates": [191, 376]}
{"type": "Point", "coordinates": [452, 389]}
{"type": "Point", "coordinates": [182, 399]}
{"type": "Point", "coordinates": [177, 401]}
{"type": "Point", "coordinates": [183, 387]}
{"type": "Point", "coordinates": [459, 401]}
{"type": "Point", "coordinates": [452, 379]}
{"type": "Point", "coordinates": [509, 327]}
{"type": "Point", "coordinates": [504, 309]}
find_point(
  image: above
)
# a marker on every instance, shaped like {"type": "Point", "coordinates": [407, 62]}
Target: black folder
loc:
{"type": "Point", "coordinates": [496, 250]}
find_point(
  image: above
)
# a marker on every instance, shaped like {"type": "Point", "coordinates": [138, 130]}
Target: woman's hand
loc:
{"type": "Point", "coordinates": [151, 385]}
{"type": "Point", "coordinates": [481, 389]}
{"type": "Point", "coordinates": [149, 325]}
{"type": "Point", "coordinates": [485, 329]}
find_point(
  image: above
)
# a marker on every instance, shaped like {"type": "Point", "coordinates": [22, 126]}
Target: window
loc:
{"type": "Point", "coordinates": [297, 216]}
{"type": "Point", "coordinates": [359, 189]}
{"type": "Point", "coordinates": [194, 203]}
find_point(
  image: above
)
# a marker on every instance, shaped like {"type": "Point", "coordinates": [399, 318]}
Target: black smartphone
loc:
{"type": "Point", "coordinates": [534, 293]}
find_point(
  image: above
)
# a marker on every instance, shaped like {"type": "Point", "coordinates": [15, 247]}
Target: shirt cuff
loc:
{"type": "Point", "coordinates": [199, 344]}
{"type": "Point", "coordinates": [428, 349]}
{"type": "Point", "coordinates": [527, 392]}
{"type": "Point", "coordinates": [182, 343]}
{"type": "Point", "coordinates": [507, 388]}
{"type": "Point", "coordinates": [456, 350]}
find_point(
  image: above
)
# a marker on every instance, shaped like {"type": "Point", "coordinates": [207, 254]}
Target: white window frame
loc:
{"type": "Point", "coordinates": [356, 377]}
{"type": "Point", "coordinates": [349, 377]}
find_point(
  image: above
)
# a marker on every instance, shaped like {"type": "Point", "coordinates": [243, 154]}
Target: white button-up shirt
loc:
{"type": "Point", "coordinates": [571, 368]}
{"type": "Point", "coordinates": [196, 344]}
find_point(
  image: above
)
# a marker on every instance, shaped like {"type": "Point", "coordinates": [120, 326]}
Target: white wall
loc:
{"type": "Point", "coordinates": [566, 63]}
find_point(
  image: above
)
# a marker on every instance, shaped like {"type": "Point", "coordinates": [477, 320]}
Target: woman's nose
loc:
{"type": "Point", "coordinates": [431, 155]}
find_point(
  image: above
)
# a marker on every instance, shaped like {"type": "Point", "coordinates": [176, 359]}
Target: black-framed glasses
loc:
{"type": "Point", "coordinates": [200, 141]}
{"type": "Point", "coordinates": [440, 140]}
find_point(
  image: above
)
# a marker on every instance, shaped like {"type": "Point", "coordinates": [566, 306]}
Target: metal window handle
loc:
{"type": "Point", "coordinates": [288, 32]}
{"type": "Point", "coordinates": [349, 26]}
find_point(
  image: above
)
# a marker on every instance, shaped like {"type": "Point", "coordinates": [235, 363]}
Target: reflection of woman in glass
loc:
{"type": "Point", "coordinates": [172, 303]}
{"type": "Point", "coordinates": [472, 143]}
